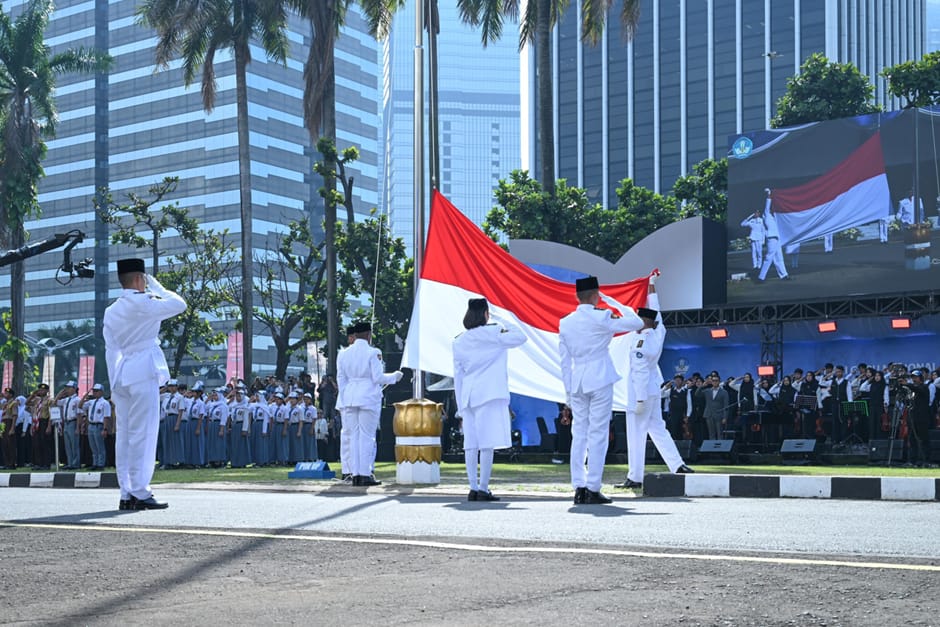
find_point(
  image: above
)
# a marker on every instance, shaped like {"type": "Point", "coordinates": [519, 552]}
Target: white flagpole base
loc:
{"type": "Point", "coordinates": [408, 473]}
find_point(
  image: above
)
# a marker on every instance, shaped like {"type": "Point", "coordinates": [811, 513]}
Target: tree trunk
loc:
{"type": "Point", "coordinates": [281, 343]}
{"type": "Point", "coordinates": [18, 310]}
{"type": "Point", "coordinates": [244, 193]}
{"type": "Point", "coordinates": [329, 220]}
{"type": "Point", "coordinates": [545, 104]}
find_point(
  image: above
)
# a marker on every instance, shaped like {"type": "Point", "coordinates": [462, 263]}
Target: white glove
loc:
{"type": "Point", "coordinates": [610, 300]}
{"type": "Point", "coordinates": [654, 276]}
{"type": "Point", "coordinates": [398, 375]}
{"type": "Point", "coordinates": [640, 406]}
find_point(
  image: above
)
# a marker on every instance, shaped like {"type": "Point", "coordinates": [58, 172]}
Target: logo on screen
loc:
{"type": "Point", "coordinates": [742, 147]}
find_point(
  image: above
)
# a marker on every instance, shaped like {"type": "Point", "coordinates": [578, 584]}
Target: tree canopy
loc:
{"type": "Point", "coordinates": [824, 90]}
{"type": "Point", "coordinates": [915, 82]}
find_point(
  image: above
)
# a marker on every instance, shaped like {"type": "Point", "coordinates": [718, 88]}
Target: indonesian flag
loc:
{"type": "Point", "coordinates": [460, 263]}
{"type": "Point", "coordinates": [234, 364]}
{"type": "Point", "coordinates": [86, 373]}
{"type": "Point", "coordinates": [853, 193]}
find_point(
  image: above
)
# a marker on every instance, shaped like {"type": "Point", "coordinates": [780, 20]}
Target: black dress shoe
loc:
{"type": "Point", "coordinates": [580, 495]}
{"type": "Point", "coordinates": [684, 470]}
{"type": "Point", "coordinates": [368, 480]}
{"type": "Point", "coordinates": [151, 503]}
{"type": "Point", "coordinates": [596, 498]}
{"type": "Point", "coordinates": [472, 496]}
{"type": "Point", "coordinates": [486, 495]}
{"type": "Point", "coordinates": [125, 504]}
{"type": "Point", "coordinates": [629, 485]}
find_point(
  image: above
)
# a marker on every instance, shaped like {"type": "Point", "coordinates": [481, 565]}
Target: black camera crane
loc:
{"type": "Point", "coordinates": [81, 269]}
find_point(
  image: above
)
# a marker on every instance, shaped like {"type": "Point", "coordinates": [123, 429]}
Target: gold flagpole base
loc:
{"type": "Point", "coordinates": [417, 428]}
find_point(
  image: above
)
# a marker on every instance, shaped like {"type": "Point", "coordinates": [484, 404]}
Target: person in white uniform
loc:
{"type": "Point", "coordinates": [644, 412]}
{"type": "Point", "coordinates": [588, 374]}
{"type": "Point", "coordinates": [481, 385]}
{"type": "Point", "coordinates": [344, 434]}
{"type": "Point", "coordinates": [774, 254]}
{"type": "Point", "coordinates": [97, 411]}
{"type": "Point", "coordinates": [756, 236]}
{"type": "Point", "coordinates": [360, 375]}
{"type": "Point", "coordinates": [137, 368]}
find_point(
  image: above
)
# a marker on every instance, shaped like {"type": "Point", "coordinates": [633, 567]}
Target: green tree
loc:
{"type": "Point", "coordinates": [915, 82]}
{"type": "Point", "coordinates": [538, 20]}
{"type": "Point", "coordinates": [326, 17]}
{"type": "Point", "coordinates": [290, 277]}
{"type": "Point", "coordinates": [526, 211]}
{"type": "Point", "coordinates": [196, 31]}
{"type": "Point", "coordinates": [824, 90]}
{"type": "Point", "coordinates": [705, 191]}
{"type": "Point", "coordinates": [138, 212]}
{"type": "Point", "coordinates": [201, 273]}
{"type": "Point", "coordinates": [28, 72]}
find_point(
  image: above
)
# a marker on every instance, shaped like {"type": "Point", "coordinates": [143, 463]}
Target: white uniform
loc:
{"type": "Point", "coordinates": [482, 390]}
{"type": "Point", "coordinates": [774, 252]}
{"type": "Point", "coordinates": [756, 225]}
{"type": "Point", "coordinates": [588, 373]}
{"type": "Point", "coordinates": [137, 368]}
{"type": "Point", "coordinates": [646, 417]}
{"type": "Point", "coordinates": [360, 374]}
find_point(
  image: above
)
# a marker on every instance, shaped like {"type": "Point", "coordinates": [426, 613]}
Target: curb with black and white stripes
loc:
{"type": "Point", "coordinates": [58, 480]}
{"type": "Point", "coordinates": [793, 486]}
{"type": "Point", "coordinates": [654, 485]}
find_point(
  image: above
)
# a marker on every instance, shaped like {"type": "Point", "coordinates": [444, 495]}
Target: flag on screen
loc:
{"type": "Point", "coordinates": [460, 263]}
{"type": "Point", "coordinates": [853, 193]}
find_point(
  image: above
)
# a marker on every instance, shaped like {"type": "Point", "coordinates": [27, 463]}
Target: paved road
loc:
{"type": "Point", "coordinates": [389, 557]}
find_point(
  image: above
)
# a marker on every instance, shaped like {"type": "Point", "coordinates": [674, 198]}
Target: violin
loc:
{"type": "Point", "coordinates": [885, 422]}
{"type": "Point", "coordinates": [819, 426]}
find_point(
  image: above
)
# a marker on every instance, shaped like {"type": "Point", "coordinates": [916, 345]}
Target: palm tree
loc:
{"type": "Point", "coordinates": [326, 17]}
{"type": "Point", "coordinates": [539, 19]}
{"type": "Point", "coordinates": [28, 72]}
{"type": "Point", "coordinates": [195, 30]}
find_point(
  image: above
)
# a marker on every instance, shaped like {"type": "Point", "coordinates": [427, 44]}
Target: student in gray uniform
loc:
{"type": "Point", "coordinates": [98, 410]}
{"type": "Point", "coordinates": [216, 454]}
{"type": "Point", "coordinates": [309, 434]}
{"type": "Point", "coordinates": [193, 440]}
{"type": "Point", "coordinates": [281, 424]}
{"type": "Point", "coordinates": [173, 434]}
{"type": "Point", "coordinates": [240, 449]}
{"type": "Point", "coordinates": [260, 451]}
{"type": "Point", "coordinates": [295, 430]}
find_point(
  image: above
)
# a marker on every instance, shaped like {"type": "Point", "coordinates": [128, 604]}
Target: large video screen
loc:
{"type": "Point", "coordinates": [833, 209]}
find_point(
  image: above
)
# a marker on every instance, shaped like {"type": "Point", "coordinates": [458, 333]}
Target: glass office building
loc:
{"type": "Point", "coordinates": [696, 72]}
{"type": "Point", "coordinates": [136, 125]}
{"type": "Point", "coordinates": [479, 116]}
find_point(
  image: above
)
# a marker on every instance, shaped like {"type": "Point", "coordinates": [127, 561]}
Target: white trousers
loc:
{"type": "Point", "coordinates": [590, 433]}
{"type": "Point", "coordinates": [774, 256]}
{"type": "Point", "coordinates": [344, 459]}
{"type": "Point", "coordinates": [757, 247]}
{"type": "Point", "coordinates": [827, 243]}
{"type": "Point", "coordinates": [638, 426]}
{"type": "Point", "coordinates": [135, 446]}
{"type": "Point", "coordinates": [883, 230]}
{"type": "Point", "coordinates": [362, 423]}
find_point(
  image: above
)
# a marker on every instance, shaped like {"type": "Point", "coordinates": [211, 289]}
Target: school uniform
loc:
{"type": "Point", "coordinates": [309, 436]}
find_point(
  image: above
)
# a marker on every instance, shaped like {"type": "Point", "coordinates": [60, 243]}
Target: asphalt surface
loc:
{"type": "Point", "coordinates": [395, 556]}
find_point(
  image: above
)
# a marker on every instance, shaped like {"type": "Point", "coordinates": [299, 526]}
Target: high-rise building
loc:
{"type": "Point", "coordinates": [479, 116]}
{"type": "Point", "coordinates": [137, 124]}
{"type": "Point", "coordinates": [696, 72]}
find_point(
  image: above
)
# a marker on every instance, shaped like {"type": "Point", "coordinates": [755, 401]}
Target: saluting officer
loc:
{"type": "Point", "coordinates": [137, 368]}
{"type": "Point", "coordinates": [361, 377]}
{"type": "Point", "coordinates": [97, 411]}
{"type": "Point", "coordinates": [68, 402]}
{"type": "Point", "coordinates": [588, 373]}
{"type": "Point", "coordinates": [644, 412]}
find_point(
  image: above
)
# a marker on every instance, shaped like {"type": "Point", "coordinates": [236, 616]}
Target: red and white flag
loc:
{"type": "Point", "coordinates": [86, 373]}
{"type": "Point", "coordinates": [234, 364]}
{"type": "Point", "coordinates": [853, 193]}
{"type": "Point", "coordinates": [460, 263]}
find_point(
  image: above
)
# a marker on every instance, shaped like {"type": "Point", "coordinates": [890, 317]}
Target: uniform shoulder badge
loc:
{"type": "Point", "coordinates": [639, 344]}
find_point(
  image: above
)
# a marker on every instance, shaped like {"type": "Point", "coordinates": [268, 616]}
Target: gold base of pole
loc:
{"type": "Point", "coordinates": [417, 426]}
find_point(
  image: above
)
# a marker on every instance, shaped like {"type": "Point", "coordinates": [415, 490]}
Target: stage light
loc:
{"type": "Point", "coordinates": [718, 333]}
{"type": "Point", "coordinates": [900, 323]}
{"type": "Point", "coordinates": [828, 326]}
{"type": "Point", "coordinates": [765, 371]}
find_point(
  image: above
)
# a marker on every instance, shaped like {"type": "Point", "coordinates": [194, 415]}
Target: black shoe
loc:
{"type": "Point", "coordinates": [472, 496]}
{"type": "Point", "coordinates": [596, 498]}
{"type": "Point", "coordinates": [125, 504]}
{"type": "Point", "coordinates": [151, 503]}
{"type": "Point", "coordinates": [684, 470]}
{"type": "Point", "coordinates": [580, 496]}
{"type": "Point", "coordinates": [347, 476]}
{"type": "Point", "coordinates": [368, 480]}
{"type": "Point", "coordinates": [629, 485]}
{"type": "Point", "coordinates": [486, 495]}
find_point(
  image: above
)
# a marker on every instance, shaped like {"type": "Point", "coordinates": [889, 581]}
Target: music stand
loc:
{"type": "Point", "coordinates": [854, 409]}
{"type": "Point", "coordinates": [805, 404]}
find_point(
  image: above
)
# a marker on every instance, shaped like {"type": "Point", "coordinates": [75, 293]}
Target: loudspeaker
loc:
{"type": "Point", "coordinates": [687, 450]}
{"type": "Point", "coordinates": [878, 450]}
{"type": "Point", "coordinates": [798, 449]}
{"type": "Point", "coordinates": [718, 449]}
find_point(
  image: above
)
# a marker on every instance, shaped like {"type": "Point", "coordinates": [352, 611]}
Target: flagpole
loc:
{"type": "Point", "coordinates": [418, 379]}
